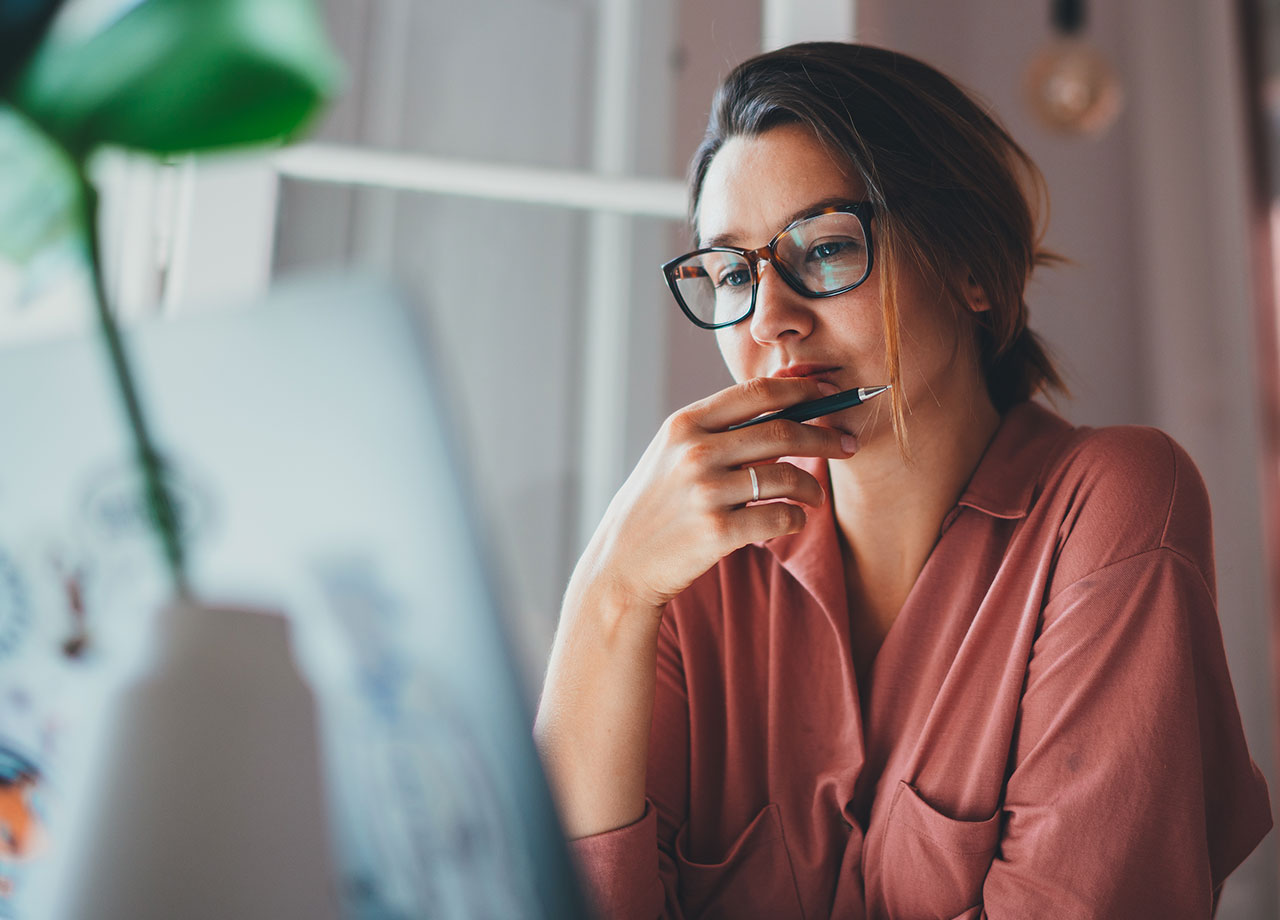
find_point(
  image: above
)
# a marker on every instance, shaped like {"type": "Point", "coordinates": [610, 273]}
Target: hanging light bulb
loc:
{"type": "Point", "coordinates": [1071, 87]}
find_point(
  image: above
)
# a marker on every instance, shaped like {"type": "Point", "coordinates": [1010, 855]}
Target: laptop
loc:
{"type": "Point", "coordinates": [314, 470]}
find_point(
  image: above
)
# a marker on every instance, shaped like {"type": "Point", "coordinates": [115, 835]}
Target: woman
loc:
{"type": "Point", "coordinates": [951, 657]}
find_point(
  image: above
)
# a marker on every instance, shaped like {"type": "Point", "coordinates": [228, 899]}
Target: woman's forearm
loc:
{"type": "Point", "coordinates": [594, 717]}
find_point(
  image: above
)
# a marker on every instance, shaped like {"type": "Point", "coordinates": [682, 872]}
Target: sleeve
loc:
{"type": "Point", "coordinates": [1132, 792]}
{"type": "Point", "coordinates": [630, 872]}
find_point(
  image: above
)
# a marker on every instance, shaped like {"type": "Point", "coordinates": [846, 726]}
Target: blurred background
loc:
{"type": "Point", "coordinates": [517, 164]}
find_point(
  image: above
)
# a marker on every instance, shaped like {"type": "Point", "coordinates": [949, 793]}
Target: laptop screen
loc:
{"type": "Point", "coordinates": [313, 468]}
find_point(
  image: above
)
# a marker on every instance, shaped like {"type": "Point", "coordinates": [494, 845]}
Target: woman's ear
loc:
{"type": "Point", "coordinates": [975, 298]}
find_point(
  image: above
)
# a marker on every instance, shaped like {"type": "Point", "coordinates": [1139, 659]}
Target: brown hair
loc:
{"type": "Point", "coordinates": [954, 194]}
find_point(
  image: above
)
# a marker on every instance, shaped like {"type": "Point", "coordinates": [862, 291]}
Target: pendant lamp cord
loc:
{"type": "Point", "coordinates": [1068, 16]}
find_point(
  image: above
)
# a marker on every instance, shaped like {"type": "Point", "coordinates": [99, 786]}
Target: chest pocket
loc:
{"type": "Point", "coordinates": [753, 879]}
{"type": "Point", "coordinates": [933, 866]}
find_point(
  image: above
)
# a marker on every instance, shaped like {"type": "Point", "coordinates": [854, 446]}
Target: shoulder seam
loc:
{"type": "Point", "coordinates": [1174, 551]}
{"type": "Point", "coordinates": [1173, 490]}
{"type": "Point", "coordinates": [1172, 447]}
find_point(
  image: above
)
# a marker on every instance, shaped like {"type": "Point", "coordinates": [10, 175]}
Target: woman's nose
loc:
{"type": "Point", "coordinates": [779, 311]}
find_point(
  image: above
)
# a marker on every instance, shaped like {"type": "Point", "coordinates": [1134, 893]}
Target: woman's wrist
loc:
{"type": "Point", "coordinates": [611, 612]}
{"type": "Point", "coordinates": [595, 590]}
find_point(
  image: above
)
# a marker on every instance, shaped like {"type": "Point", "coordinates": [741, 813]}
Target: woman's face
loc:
{"type": "Point", "coordinates": [753, 188]}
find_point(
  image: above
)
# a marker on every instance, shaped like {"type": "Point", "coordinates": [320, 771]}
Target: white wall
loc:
{"type": "Point", "coordinates": [501, 82]}
{"type": "Point", "coordinates": [505, 286]}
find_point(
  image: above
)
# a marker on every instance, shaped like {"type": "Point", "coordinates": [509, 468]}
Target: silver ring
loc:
{"type": "Point", "coordinates": [755, 484]}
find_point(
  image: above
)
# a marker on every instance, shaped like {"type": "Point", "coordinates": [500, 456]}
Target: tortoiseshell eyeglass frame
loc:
{"type": "Point", "coordinates": [672, 271]}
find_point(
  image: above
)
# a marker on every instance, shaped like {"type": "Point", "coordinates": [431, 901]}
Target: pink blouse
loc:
{"type": "Point", "coordinates": [1049, 728]}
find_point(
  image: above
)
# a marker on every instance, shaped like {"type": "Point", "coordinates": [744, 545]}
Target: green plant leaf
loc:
{"type": "Point", "coordinates": [39, 197]}
{"type": "Point", "coordinates": [175, 76]}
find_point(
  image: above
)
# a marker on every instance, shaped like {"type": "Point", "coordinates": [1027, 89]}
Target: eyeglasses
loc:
{"type": "Point", "coordinates": [824, 254]}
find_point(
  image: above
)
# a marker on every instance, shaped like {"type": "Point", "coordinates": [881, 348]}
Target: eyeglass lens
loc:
{"type": "Point", "coordinates": [820, 255]}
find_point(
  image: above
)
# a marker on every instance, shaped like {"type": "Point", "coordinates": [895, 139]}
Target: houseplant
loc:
{"type": "Point", "coordinates": [164, 77]}
{"type": "Point", "coordinates": [158, 77]}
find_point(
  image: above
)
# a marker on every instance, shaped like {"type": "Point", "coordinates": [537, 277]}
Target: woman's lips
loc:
{"type": "Point", "coordinates": [817, 371]}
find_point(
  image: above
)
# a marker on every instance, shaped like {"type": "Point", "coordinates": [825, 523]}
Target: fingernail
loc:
{"type": "Point", "coordinates": [849, 443]}
{"type": "Point", "coordinates": [827, 389]}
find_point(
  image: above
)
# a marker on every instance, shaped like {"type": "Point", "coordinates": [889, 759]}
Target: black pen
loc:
{"type": "Point", "coordinates": [816, 408]}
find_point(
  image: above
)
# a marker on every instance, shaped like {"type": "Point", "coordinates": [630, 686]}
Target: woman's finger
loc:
{"type": "Point", "coordinates": [781, 438]}
{"type": "Point", "coordinates": [769, 481]}
{"type": "Point", "coordinates": [755, 397]}
{"type": "Point", "coordinates": [760, 522]}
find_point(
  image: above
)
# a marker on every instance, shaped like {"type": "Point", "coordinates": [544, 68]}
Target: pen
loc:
{"type": "Point", "coordinates": [815, 408]}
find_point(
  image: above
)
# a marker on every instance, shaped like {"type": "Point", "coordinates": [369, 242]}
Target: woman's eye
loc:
{"type": "Point", "coordinates": [735, 278]}
{"type": "Point", "coordinates": [830, 249]}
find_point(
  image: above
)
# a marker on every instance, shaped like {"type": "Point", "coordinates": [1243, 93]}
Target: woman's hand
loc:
{"type": "Point", "coordinates": [688, 503]}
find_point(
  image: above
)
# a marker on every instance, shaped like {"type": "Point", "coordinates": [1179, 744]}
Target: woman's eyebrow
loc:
{"type": "Point", "coordinates": [729, 239]}
{"type": "Point", "coordinates": [809, 210]}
